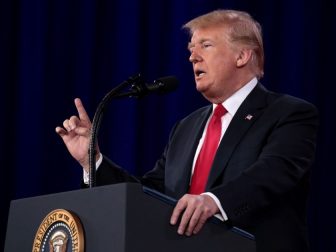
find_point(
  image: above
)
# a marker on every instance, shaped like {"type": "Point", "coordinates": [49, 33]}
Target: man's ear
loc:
{"type": "Point", "coordinates": [244, 57]}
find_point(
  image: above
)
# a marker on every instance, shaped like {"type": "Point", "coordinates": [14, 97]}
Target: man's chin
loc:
{"type": "Point", "coordinates": [208, 94]}
{"type": "Point", "coordinates": [203, 90]}
{"type": "Point", "coordinates": [201, 87]}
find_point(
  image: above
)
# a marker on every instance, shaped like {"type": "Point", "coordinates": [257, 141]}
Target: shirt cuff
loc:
{"type": "Point", "coordinates": [86, 175]}
{"type": "Point", "coordinates": [222, 216]}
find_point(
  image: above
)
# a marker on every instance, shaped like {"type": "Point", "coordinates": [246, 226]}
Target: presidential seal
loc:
{"type": "Point", "coordinates": [60, 231]}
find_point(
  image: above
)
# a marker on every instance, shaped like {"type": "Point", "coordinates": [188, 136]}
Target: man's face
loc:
{"type": "Point", "coordinates": [214, 62]}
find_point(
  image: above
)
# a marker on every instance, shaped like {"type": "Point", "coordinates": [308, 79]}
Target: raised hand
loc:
{"type": "Point", "coordinates": [76, 135]}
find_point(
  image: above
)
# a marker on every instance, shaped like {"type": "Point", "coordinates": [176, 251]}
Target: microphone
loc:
{"type": "Point", "coordinates": [160, 86]}
{"type": "Point", "coordinates": [138, 89]}
{"type": "Point", "coordinates": [163, 85]}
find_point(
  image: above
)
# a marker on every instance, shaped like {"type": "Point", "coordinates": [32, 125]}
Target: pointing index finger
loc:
{"type": "Point", "coordinates": [81, 110]}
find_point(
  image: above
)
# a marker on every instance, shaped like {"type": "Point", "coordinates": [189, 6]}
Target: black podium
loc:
{"type": "Point", "coordinates": [119, 218]}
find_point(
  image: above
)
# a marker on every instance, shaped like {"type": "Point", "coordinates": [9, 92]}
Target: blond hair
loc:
{"type": "Point", "coordinates": [242, 29]}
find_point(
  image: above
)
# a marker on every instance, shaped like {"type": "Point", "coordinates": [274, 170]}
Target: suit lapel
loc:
{"type": "Point", "coordinates": [247, 114]}
{"type": "Point", "coordinates": [180, 178]}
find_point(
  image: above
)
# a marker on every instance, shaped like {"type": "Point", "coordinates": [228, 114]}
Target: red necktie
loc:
{"type": "Point", "coordinates": [208, 151]}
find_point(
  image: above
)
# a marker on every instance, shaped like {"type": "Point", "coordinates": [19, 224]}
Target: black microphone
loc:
{"type": "Point", "coordinates": [160, 86]}
{"type": "Point", "coordinates": [163, 85]}
{"type": "Point", "coordinates": [138, 89]}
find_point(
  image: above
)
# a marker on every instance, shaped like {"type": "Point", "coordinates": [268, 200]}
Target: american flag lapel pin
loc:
{"type": "Point", "coordinates": [248, 117]}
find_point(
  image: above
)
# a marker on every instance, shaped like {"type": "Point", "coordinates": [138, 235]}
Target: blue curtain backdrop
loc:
{"type": "Point", "coordinates": [52, 51]}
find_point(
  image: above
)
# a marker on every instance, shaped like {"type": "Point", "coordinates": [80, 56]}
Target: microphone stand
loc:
{"type": "Point", "coordinates": [136, 84]}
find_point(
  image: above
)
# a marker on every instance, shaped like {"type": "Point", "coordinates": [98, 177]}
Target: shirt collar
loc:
{"type": "Point", "coordinates": [234, 101]}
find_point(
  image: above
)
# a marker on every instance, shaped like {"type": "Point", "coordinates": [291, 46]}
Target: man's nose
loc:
{"type": "Point", "coordinates": [195, 57]}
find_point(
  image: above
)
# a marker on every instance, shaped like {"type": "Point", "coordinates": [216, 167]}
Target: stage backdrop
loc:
{"type": "Point", "coordinates": [53, 51]}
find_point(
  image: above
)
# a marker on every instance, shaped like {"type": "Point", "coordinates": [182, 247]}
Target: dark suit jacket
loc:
{"type": "Point", "coordinates": [261, 170]}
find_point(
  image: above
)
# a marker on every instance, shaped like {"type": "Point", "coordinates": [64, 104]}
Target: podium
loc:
{"type": "Point", "coordinates": [119, 218]}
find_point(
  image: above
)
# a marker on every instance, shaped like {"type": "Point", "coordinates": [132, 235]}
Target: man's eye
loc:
{"type": "Point", "coordinates": [206, 45]}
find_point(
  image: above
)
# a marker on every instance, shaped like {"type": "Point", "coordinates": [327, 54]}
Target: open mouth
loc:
{"type": "Point", "coordinates": [199, 73]}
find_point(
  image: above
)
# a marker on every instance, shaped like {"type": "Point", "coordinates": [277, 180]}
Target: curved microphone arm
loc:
{"type": "Point", "coordinates": [134, 80]}
{"type": "Point", "coordinates": [137, 89]}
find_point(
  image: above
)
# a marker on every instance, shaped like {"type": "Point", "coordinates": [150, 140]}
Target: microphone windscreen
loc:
{"type": "Point", "coordinates": [166, 84]}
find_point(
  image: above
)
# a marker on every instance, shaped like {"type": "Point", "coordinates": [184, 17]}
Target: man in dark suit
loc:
{"type": "Point", "coordinates": [246, 158]}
